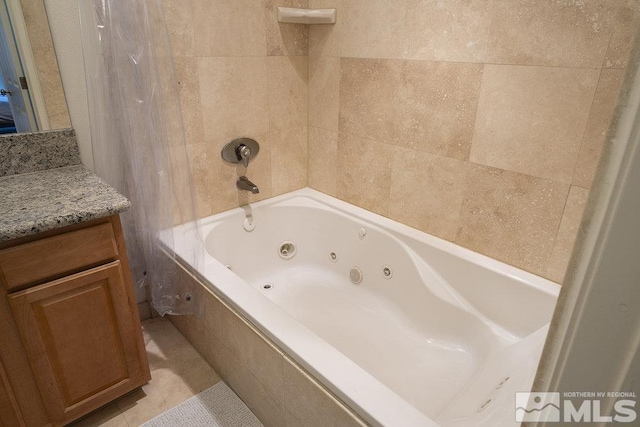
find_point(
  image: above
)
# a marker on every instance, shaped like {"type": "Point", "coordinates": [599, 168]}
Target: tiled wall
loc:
{"type": "Point", "coordinates": [241, 74]}
{"type": "Point", "coordinates": [478, 121]}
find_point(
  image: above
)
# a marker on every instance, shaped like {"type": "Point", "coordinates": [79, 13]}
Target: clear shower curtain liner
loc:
{"type": "Point", "coordinates": [138, 139]}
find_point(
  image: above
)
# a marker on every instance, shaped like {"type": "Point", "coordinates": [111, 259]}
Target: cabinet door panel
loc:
{"type": "Point", "coordinates": [79, 336]}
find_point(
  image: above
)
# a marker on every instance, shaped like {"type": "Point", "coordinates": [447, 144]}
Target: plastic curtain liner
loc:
{"type": "Point", "coordinates": [138, 139]}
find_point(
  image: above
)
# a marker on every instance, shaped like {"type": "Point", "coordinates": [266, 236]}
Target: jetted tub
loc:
{"type": "Point", "coordinates": [405, 328]}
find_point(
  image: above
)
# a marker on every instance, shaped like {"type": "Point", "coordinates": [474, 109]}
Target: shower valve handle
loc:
{"type": "Point", "coordinates": [244, 154]}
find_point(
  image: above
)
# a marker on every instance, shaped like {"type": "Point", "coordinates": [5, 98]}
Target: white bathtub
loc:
{"type": "Point", "coordinates": [446, 340]}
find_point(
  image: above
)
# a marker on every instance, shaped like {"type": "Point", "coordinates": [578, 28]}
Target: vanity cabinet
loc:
{"type": "Point", "coordinates": [70, 330]}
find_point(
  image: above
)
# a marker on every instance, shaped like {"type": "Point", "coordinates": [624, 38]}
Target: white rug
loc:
{"type": "Point", "coordinates": [217, 406]}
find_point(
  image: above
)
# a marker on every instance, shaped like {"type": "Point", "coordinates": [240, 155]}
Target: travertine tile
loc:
{"type": "Point", "coordinates": [372, 28]}
{"type": "Point", "coordinates": [219, 184]}
{"type": "Point", "coordinates": [200, 174]}
{"type": "Point", "coordinates": [324, 40]}
{"type": "Point", "coordinates": [324, 92]}
{"type": "Point", "coordinates": [455, 30]}
{"type": "Point", "coordinates": [565, 240]}
{"type": "Point", "coordinates": [289, 159]}
{"type": "Point", "coordinates": [323, 152]}
{"type": "Point", "coordinates": [178, 17]}
{"type": "Point", "coordinates": [235, 102]}
{"type": "Point", "coordinates": [189, 92]}
{"type": "Point", "coordinates": [185, 203]}
{"type": "Point", "coordinates": [604, 103]}
{"type": "Point", "coordinates": [308, 404]}
{"type": "Point", "coordinates": [511, 217]}
{"type": "Point", "coordinates": [531, 119]}
{"type": "Point", "coordinates": [288, 91]}
{"type": "Point", "coordinates": [229, 28]}
{"type": "Point", "coordinates": [178, 372]}
{"type": "Point", "coordinates": [427, 191]}
{"type": "Point", "coordinates": [364, 172]}
{"type": "Point", "coordinates": [625, 27]}
{"type": "Point", "coordinates": [264, 361]}
{"type": "Point", "coordinates": [285, 39]}
{"type": "Point", "coordinates": [367, 94]}
{"type": "Point", "coordinates": [436, 107]}
{"type": "Point", "coordinates": [268, 408]}
{"type": "Point", "coordinates": [549, 32]}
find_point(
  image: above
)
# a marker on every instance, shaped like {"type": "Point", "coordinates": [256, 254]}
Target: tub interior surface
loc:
{"type": "Point", "coordinates": [375, 334]}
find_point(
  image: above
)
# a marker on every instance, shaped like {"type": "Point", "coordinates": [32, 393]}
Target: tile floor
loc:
{"type": "Point", "coordinates": [177, 373]}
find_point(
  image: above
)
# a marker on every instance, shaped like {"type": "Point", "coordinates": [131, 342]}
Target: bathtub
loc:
{"type": "Point", "coordinates": [404, 328]}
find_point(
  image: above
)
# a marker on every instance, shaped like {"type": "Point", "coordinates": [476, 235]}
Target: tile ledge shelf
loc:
{"type": "Point", "coordinates": [290, 15]}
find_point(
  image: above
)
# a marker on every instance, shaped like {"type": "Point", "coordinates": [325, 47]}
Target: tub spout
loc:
{"type": "Point", "coordinates": [243, 183]}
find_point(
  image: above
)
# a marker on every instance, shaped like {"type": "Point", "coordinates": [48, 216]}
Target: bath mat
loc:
{"type": "Point", "coordinates": [217, 406]}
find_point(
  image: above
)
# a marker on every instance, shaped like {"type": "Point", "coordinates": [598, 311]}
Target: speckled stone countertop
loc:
{"type": "Point", "coordinates": [31, 152]}
{"type": "Point", "coordinates": [34, 202]}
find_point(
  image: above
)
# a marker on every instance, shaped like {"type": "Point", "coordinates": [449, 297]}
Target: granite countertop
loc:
{"type": "Point", "coordinates": [34, 202]}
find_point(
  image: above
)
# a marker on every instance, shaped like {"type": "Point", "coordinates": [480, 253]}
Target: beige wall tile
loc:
{"type": "Point", "coordinates": [625, 27]}
{"type": "Point", "coordinates": [511, 217]}
{"type": "Point", "coordinates": [309, 404]}
{"type": "Point", "coordinates": [427, 191]}
{"type": "Point", "coordinates": [324, 40]}
{"type": "Point", "coordinates": [229, 28]}
{"type": "Point", "coordinates": [324, 92]}
{"type": "Point", "coordinates": [455, 30]}
{"type": "Point", "coordinates": [364, 172]}
{"type": "Point", "coordinates": [200, 175]}
{"type": "Point", "coordinates": [571, 219]}
{"type": "Point", "coordinates": [531, 119]}
{"type": "Point", "coordinates": [234, 102]}
{"type": "Point", "coordinates": [285, 39]}
{"type": "Point", "coordinates": [288, 91]}
{"type": "Point", "coordinates": [604, 103]}
{"type": "Point", "coordinates": [323, 152]}
{"type": "Point", "coordinates": [183, 189]}
{"type": "Point", "coordinates": [178, 16]}
{"type": "Point", "coordinates": [289, 159]}
{"type": "Point", "coordinates": [436, 107]}
{"type": "Point", "coordinates": [264, 361]}
{"type": "Point", "coordinates": [372, 28]}
{"type": "Point", "coordinates": [550, 32]}
{"type": "Point", "coordinates": [268, 408]}
{"type": "Point", "coordinates": [367, 95]}
{"type": "Point", "coordinates": [214, 180]}
{"type": "Point", "coordinates": [189, 92]}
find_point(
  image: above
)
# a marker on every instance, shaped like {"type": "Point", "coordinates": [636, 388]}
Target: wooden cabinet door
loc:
{"type": "Point", "coordinates": [80, 340]}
